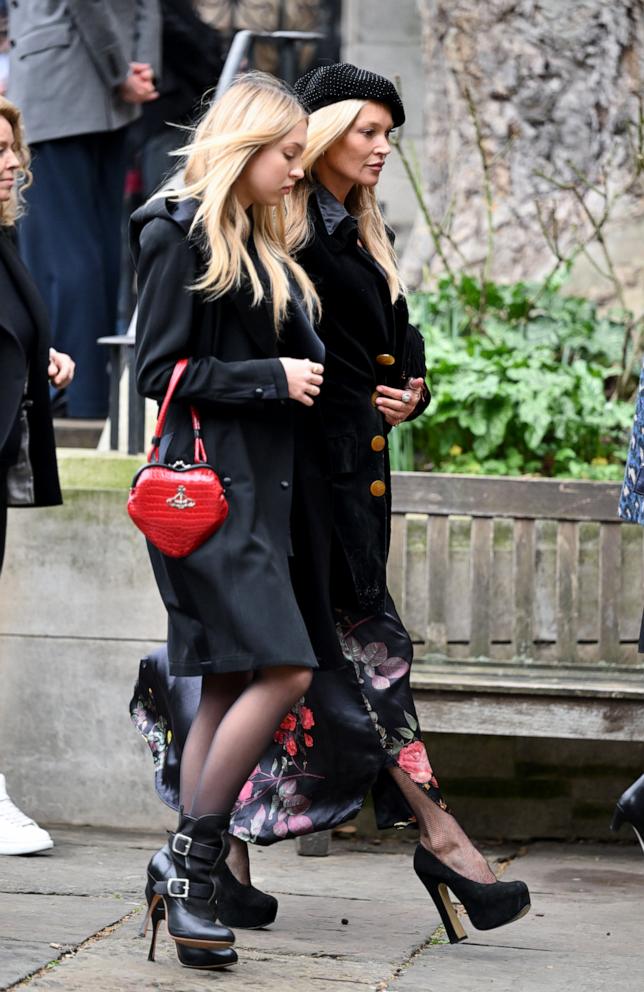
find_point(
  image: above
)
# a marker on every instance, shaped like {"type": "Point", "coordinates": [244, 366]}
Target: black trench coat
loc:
{"type": "Point", "coordinates": [368, 342]}
{"type": "Point", "coordinates": [230, 604]}
{"type": "Point", "coordinates": [42, 447]}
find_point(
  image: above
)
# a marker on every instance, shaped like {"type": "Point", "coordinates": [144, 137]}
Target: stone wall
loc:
{"type": "Point", "coordinates": [386, 38]}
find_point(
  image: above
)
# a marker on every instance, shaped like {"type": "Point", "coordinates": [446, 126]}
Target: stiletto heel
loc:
{"type": "Point", "coordinates": [453, 926]}
{"type": "Point", "coordinates": [487, 906]}
{"type": "Point", "coordinates": [156, 915]}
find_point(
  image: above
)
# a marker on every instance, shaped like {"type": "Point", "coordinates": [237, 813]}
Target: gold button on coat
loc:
{"type": "Point", "coordinates": [374, 396]}
{"type": "Point", "coordinates": [378, 488]}
{"type": "Point", "coordinates": [385, 359]}
{"type": "Point", "coordinates": [377, 442]}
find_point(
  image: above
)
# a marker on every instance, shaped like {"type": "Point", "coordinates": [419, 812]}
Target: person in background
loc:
{"type": "Point", "coordinates": [28, 472]}
{"type": "Point", "coordinates": [192, 63]}
{"type": "Point", "coordinates": [4, 47]}
{"type": "Point", "coordinates": [630, 805]}
{"type": "Point", "coordinates": [80, 73]}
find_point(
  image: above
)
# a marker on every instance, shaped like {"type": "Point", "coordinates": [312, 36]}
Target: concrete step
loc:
{"type": "Point", "coordinates": [77, 433]}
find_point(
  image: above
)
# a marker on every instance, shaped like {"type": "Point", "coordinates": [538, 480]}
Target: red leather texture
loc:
{"type": "Point", "coordinates": [177, 508]}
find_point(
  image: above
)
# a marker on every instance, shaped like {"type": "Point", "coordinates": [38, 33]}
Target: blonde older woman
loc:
{"type": "Point", "coordinates": [28, 473]}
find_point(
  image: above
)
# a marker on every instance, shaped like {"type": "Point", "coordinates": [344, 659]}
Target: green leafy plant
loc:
{"type": "Point", "coordinates": [520, 377]}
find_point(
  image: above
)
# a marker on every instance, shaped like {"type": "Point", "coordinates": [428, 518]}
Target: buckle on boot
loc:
{"type": "Point", "coordinates": [178, 888]}
{"type": "Point", "coordinates": [181, 844]}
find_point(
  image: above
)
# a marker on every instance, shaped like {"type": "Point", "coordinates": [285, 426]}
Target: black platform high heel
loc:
{"type": "Point", "coordinates": [488, 906]}
{"type": "Point", "coordinates": [630, 809]}
{"type": "Point", "coordinates": [197, 851]}
{"type": "Point", "coordinates": [239, 906]}
{"type": "Point", "coordinates": [190, 957]}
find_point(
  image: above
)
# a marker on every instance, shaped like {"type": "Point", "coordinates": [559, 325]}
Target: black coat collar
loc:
{"type": "Point", "coordinates": [25, 286]}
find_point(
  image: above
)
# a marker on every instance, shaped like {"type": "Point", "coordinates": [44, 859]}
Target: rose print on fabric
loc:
{"type": "Point", "coordinates": [413, 759]}
{"type": "Point", "coordinates": [376, 670]}
{"type": "Point", "coordinates": [277, 794]}
{"type": "Point", "coordinates": [292, 731]}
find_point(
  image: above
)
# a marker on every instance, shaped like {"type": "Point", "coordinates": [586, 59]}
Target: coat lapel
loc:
{"type": "Point", "coordinates": [257, 320]}
{"type": "Point", "coordinates": [27, 289]}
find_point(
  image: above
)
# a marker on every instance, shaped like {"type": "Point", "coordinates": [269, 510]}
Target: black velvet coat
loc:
{"type": "Point", "coordinates": [361, 330]}
{"type": "Point", "coordinates": [42, 448]}
{"type": "Point", "coordinates": [230, 604]}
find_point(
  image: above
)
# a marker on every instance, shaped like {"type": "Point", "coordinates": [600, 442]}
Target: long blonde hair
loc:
{"type": "Point", "coordinates": [12, 209]}
{"type": "Point", "coordinates": [256, 111]}
{"type": "Point", "coordinates": [326, 126]}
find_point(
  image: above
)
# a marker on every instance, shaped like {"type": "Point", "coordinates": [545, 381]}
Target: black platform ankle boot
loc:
{"type": "Point", "coordinates": [202, 958]}
{"type": "Point", "coordinates": [242, 906]}
{"type": "Point", "coordinates": [197, 851]}
{"type": "Point", "coordinates": [239, 906]}
{"type": "Point", "coordinates": [630, 809]}
{"type": "Point", "coordinates": [488, 906]}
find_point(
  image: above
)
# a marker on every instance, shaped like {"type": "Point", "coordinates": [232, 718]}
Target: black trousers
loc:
{"type": "Point", "coordinates": [70, 241]}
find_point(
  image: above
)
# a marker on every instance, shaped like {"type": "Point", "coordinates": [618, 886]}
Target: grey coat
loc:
{"type": "Point", "coordinates": [67, 58]}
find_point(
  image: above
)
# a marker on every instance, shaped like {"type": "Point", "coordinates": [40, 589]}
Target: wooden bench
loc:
{"type": "Point", "coordinates": [524, 599]}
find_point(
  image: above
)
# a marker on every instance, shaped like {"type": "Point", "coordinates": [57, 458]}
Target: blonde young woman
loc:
{"type": "Point", "coordinates": [216, 286]}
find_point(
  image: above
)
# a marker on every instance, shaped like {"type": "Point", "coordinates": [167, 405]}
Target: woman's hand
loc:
{"type": "Point", "coordinates": [396, 405]}
{"type": "Point", "coordinates": [61, 369]}
{"type": "Point", "coordinates": [304, 379]}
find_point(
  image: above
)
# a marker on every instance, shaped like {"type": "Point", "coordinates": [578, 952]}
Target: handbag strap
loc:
{"type": "Point", "coordinates": [200, 451]}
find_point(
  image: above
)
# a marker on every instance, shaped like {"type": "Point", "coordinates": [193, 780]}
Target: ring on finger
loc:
{"type": "Point", "coordinates": [406, 396]}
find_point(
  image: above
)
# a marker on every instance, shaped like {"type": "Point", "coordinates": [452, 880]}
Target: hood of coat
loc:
{"type": "Point", "coordinates": [161, 206]}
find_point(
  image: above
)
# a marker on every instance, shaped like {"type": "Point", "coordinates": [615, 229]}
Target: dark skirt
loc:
{"type": "Point", "coordinates": [330, 750]}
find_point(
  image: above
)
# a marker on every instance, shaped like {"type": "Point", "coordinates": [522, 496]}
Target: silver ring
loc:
{"type": "Point", "coordinates": [406, 396]}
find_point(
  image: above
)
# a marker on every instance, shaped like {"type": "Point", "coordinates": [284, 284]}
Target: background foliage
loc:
{"type": "Point", "coordinates": [522, 378]}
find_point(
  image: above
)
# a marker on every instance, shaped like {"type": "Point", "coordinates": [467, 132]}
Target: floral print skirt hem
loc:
{"type": "Point", "coordinates": [329, 751]}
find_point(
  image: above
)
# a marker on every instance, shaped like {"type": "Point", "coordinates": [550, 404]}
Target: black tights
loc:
{"type": "Point", "coordinates": [237, 717]}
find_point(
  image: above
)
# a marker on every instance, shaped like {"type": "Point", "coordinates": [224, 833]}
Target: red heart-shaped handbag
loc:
{"type": "Point", "coordinates": [177, 506]}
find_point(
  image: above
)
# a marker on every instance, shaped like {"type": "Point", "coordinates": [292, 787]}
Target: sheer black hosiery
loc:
{"type": "Point", "coordinates": [441, 833]}
{"type": "Point", "coordinates": [235, 723]}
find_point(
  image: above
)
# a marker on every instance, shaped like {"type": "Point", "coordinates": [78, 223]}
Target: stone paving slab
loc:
{"type": "Point", "coordinates": [309, 942]}
{"type": "Point", "coordinates": [584, 932]}
{"type": "Point", "coordinates": [31, 924]}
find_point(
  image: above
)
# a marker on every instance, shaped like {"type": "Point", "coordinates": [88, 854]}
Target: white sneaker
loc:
{"type": "Point", "coordinates": [19, 834]}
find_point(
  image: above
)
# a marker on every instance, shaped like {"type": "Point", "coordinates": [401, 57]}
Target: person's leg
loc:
{"type": "Point", "coordinates": [441, 833]}
{"type": "Point", "coordinates": [218, 695]}
{"type": "Point", "coordinates": [243, 734]}
{"type": "Point", "coordinates": [60, 239]}
{"type": "Point", "coordinates": [239, 723]}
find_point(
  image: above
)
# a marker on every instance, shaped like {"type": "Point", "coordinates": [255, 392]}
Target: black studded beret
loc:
{"type": "Point", "coordinates": [330, 84]}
